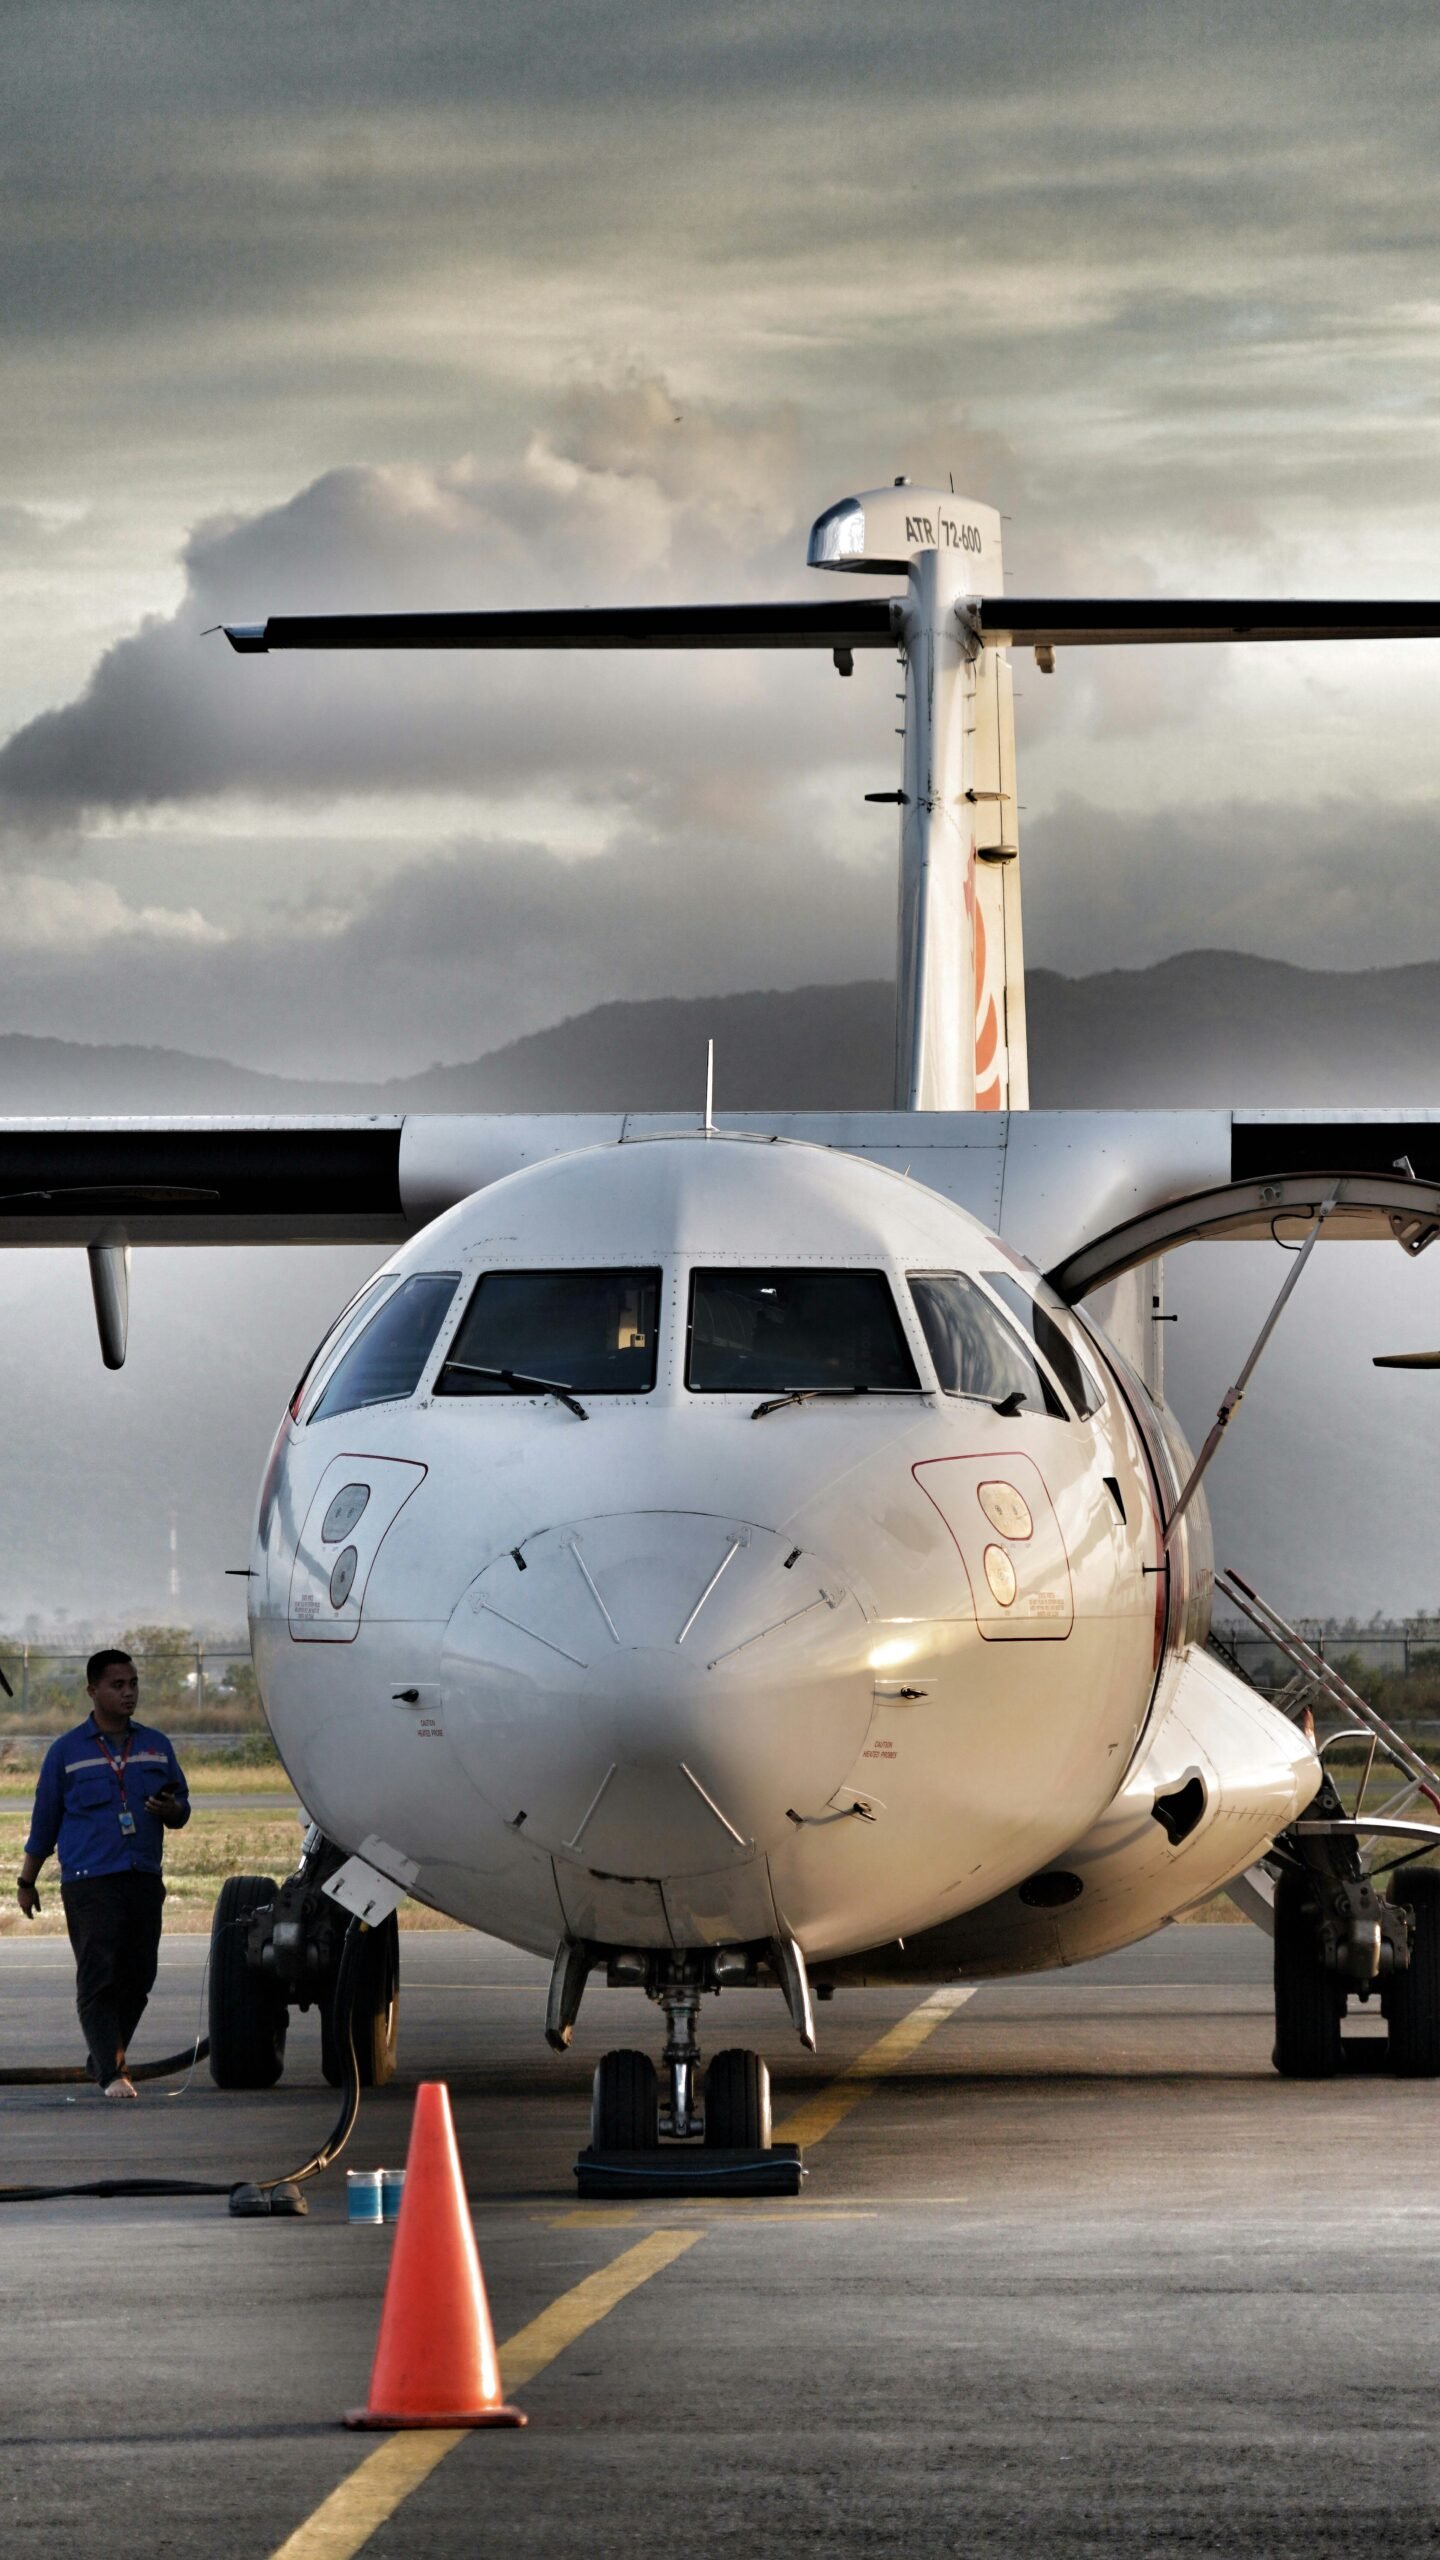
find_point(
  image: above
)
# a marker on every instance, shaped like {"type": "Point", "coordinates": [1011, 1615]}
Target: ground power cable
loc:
{"type": "Point", "coordinates": [249, 2198]}
{"type": "Point", "coordinates": [47, 2075]}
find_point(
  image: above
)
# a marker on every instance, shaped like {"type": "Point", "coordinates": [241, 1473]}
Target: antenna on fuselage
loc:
{"type": "Point", "coordinates": [709, 1123]}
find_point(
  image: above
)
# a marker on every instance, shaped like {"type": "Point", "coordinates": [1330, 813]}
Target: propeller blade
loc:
{"type": "Point", "coordinates": [1406, 1360]}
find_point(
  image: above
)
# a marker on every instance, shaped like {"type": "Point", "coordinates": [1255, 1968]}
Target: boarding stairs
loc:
{"type": "Point", "coordinates": [1394, 1832]}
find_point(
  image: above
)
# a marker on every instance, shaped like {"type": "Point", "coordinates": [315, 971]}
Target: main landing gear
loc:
{"type": "Point", "coordinates": [274, 1947]}
{"type": "Point", "coordinates": [698, 2128]}
{"type": "Point", "coordinates": [1354, 1915]}
{"type": "Point", "coordinates": [1341, 1934]}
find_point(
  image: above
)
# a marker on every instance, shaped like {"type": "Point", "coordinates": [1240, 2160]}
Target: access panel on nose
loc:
{"type": "Point", "coordinates": [1001, 1517]}
{"type": "Point", "coordinates": [356, 1501]}
{"type": "Point", "coordinates": [651, 1691]}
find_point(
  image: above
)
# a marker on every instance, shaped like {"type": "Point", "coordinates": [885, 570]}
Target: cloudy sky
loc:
{"type": "Point", "coordinates": [487, 305]}
{"type": "Point", "coordinates": [483, 305]}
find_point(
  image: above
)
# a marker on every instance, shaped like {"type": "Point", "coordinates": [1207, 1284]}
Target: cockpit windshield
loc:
{"type": "Point", "coordinates": [795, 1332]}
{"type": "Point", "coordinates": [590, 1331]}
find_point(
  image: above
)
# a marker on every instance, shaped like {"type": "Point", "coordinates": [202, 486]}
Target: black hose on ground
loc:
{"type": "Point", "coordinates": [247, 2197]}
{"type": "Point", "coordinates": [282, 2195]}
{"type": "Point", "coordinates": [42, 2076]}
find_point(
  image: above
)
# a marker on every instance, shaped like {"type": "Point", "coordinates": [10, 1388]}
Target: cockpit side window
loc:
{"type": "Point", "coordinates": [344, 1325]}
{"type": "Point", "coordinates": [593, 1332]}
{"type": "Point", "coordinates": [1076, 1379]}
{"type": "Point", "coordinates": [384, 1364]}
{"type": "Point", "coordinates": [975, 1351]}
{"type": "Point", "coordinates": [796, 1332]}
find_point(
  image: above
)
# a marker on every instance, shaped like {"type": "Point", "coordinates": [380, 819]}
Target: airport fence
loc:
{"type": "Point", "coordinates": [205, 1692]}
{"type": "Point", "coordinates": [1408, 1654]}
{"type": "Point", "coordinates": [1396, 1668]}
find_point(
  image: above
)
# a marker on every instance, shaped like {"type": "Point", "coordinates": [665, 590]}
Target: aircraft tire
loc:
{"type": "Point", "coordinates": [1309, 2002]}
{"type": "Point", "coordinates": [1411, 2000]}
{"type": "Point", "coordinates": [737, 2101]}
{"type": "Point", "coordinates": [248, 2016]}
{"type": "Point", "coordinates": [376, 2013]}
{"type": "Point", "coordinates": [625, 2103]}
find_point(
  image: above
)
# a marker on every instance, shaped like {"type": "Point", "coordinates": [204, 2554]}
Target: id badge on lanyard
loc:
{"type": "Point", "coordinates": [127, 1818]}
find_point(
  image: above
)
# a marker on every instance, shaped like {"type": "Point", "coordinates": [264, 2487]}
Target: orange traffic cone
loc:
{"type": "Point", "coordinates": [435, 2360]}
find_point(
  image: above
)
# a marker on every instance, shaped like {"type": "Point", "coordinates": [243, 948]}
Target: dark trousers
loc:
{"type": "Point", "coordinates": [114, 1925]}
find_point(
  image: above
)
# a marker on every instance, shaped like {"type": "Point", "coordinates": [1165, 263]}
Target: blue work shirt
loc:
{"type": "Point", "coordinates": [80, 1793]}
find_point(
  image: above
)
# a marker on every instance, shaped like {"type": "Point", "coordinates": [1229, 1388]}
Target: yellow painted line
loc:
{"type": "Point", "coordinates": [700, 2215]}
{"type": "Point", "coordinates": [542, 2340]}
{"type": "Point", "coordinates": [361, 2504]}
{"type": "Point", "coordinates": [830, 2105]}
{"type": "Point", "coordinates": [345, 2520]}
{"type": "Point", "coordinates": [821, 2114]}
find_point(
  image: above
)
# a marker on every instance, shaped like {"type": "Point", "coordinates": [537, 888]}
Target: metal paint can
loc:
{"type": "Point", "coordinates": [392, 2188]}
{"type": "Point", "coordinates": [364, 2195]}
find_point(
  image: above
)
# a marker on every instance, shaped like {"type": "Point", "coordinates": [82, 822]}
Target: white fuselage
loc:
{"type": "Point", "coordinates": [675, 1676]}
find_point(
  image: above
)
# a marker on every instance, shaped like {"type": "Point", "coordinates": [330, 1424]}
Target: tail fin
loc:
{"type": "Point", "coordinates": [960, 995]}
{"type": "Point", "coordinates": [1002, 1070]}
{"type": "Point", "coordinates": [960, 999]}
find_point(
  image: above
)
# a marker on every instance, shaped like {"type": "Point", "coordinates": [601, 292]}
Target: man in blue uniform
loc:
{"type": "Point", "coordinates": [108, 1793]}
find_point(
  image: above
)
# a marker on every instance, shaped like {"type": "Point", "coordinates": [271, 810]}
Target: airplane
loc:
{"type": "Point", "coordinates": [712, 1554]}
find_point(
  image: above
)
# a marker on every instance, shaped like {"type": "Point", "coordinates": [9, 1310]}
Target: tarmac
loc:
{"type": "Point", "coordinates": [1072, 2272]}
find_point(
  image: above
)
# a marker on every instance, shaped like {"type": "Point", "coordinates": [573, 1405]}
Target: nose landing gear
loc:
{"type": "Point", "coordinates": [728, 2106]}
{"type": "Point", "coordinates": [710, 2131]}
{"type": "Point", "coordinates": [683, 2118]}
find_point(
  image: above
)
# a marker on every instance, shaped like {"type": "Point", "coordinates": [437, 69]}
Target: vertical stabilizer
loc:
{"type": "Point", "coordinates": [1002, 1072]}
{"type": "Point", "coordinates": [960, 982]}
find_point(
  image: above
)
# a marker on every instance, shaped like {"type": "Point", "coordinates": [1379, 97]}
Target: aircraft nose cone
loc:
{"type": "Point", "coordinates": [654, 1691]}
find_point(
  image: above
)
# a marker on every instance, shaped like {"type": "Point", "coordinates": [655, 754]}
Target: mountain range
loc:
{"type": "Point", "coordinates": [1202, 1027]}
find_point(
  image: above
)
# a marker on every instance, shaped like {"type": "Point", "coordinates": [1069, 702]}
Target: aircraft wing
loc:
{"type": "Point", "coordinates": [1087, 1196]}
{"type": "Point", "coordinates": [212, 1181]}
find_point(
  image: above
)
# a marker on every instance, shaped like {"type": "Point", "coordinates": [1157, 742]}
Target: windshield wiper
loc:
{"type": "Point", "coordinates": [807, 1395]}
{"type": "Point", "coordinates": [516, 1378]}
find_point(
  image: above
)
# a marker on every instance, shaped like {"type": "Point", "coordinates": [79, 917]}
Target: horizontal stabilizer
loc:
{"type": "Point", "coordinates": [1000, 622]}
{"type": "Point", "coordinates": [865, 623]}
{"type": "Point", "coordinates": [1051, 622]}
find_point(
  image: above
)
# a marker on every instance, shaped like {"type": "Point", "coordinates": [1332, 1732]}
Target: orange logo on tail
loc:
{"type": "Point", "coordinates": [987, 1024]}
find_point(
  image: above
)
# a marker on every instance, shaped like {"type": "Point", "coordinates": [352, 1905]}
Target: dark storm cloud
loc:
{"type": "Point", "coordinates": [1139, 276]}
{"type": "Point", "coordinates": [467, 948]}
{"type": "Point", "coordinates": [1160, 260]}
{"type": "Point", "coordinates": [204, 164]}
{"type": "Point", "coordinates": [1337, 884]}
{"type": "Point", "coordinates": [464, 950]}
{"type": "Point", "coordinates": [631, 500]}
